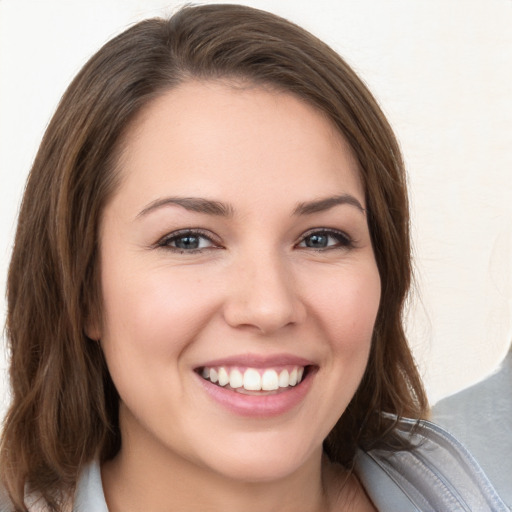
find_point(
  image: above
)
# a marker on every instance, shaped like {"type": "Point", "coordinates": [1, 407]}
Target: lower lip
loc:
{"type": "Point", "coordinates": [263, 406]}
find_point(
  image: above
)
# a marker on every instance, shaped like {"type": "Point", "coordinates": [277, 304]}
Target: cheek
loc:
{"type": "Point", "coordinates": [153, 311]}
{"type": "Point", "coordinates": [348, 308]}
{"type": "Point", "coordinates": [344, 307]}
{"type": "Point", "coordinates": [151, 318]}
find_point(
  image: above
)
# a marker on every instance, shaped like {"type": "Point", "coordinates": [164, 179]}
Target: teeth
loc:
{"type": "Point", "coordinates": [223, 376]}
{"type": "Point", "coordinates": [252, 379]}
{"type": "Point", "coordinates": [284, 379]}
{"type": "Point", "coordinates": [269, 380]}
{"type": "Point", "coordinates": [236, 379]}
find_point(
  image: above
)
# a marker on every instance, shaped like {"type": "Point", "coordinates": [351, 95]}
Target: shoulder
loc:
{"type": "Point", "coordinates": [89, 492]}
{"type": "Point", "coordinates": [5, 502]}
{"type": "Point", "coordinates": [480, 417]}
{"type": "Point", "coordinates": [438, 473]}
{"type": "Point", "coordinates": [33, 501]}
{"type": "Point", "coordinates": [88, 495]}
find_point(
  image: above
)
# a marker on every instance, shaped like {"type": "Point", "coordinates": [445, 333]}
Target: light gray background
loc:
{"type": "Point", "coordinates": [442, 72]}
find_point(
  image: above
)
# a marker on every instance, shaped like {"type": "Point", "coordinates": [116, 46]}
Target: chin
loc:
{"type": "Point", "coordinates": [261, 470]}
{"type": "Point", "coordinates": [261, 460]}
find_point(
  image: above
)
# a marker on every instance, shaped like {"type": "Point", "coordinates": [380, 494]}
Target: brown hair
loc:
{"type": "Point", "coordinates": [64, 404]}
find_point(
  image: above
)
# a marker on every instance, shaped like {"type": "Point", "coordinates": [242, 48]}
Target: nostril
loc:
{"type": "Point", "coordinates": [264, 305]}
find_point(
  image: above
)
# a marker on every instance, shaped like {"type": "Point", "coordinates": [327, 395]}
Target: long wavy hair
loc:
{"type": "Point", "coordinates": [64, 409]}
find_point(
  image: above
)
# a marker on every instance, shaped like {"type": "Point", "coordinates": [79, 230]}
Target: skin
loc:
{"type": "Point", "coordinates": [254, 286]}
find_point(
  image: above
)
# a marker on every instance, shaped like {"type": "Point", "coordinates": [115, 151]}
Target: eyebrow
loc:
{"type": "Point", "coordinates": [194, 204]}
{"type": "Point", "coordinates": [321, 205]}
{"type": "Point", "coordinates": [212, 207]}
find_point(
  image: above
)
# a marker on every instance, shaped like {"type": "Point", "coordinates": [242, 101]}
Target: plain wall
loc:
{"type": "Point", "coordinates": [442, 72]}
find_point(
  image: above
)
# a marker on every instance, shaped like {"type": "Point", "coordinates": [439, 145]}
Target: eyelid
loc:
{"type": "Point", "coordinates": [347, 241]}
{"type": "Point", "coordinates": [165, 240]}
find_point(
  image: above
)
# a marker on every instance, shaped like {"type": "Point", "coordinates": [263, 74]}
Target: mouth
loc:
{"type": "Point", "coordinates": [255, 381]}
{"type": "Point", "coordinates": [258, 386]}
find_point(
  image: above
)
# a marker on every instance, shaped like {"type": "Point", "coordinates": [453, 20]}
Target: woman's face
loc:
{"type": "Point", "coordinates": [236, 250]}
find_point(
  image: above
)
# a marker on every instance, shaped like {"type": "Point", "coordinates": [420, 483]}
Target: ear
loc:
{"type": "Point", "coordinates": [93, 334]}
{"type": "Point", "coordinates": [92, 327]}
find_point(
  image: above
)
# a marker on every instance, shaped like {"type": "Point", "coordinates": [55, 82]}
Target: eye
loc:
{"type": "Point", "coordinates": [325, 239]}
{"type": "Point", "coordinates": [187, 241]}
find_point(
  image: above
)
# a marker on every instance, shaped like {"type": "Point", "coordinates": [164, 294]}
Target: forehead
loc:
{"type": "Point", "coordinates": [216, 138]}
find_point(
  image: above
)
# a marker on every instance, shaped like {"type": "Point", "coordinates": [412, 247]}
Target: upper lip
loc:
{"type": "Point", "coordinates": [258, 361]}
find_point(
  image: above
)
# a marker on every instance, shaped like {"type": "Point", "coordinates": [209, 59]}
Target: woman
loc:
{"type": "Point", "coordinates": [205, 294]}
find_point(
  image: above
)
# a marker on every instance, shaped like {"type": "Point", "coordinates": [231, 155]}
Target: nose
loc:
{"type": "Point", "coordinates": [262, 295]}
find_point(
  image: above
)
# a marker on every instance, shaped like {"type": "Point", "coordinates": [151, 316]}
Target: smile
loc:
{"type": "Point", "coordinates": [252, 379]}
{"type": "Point", "coordinates": [257, 386]}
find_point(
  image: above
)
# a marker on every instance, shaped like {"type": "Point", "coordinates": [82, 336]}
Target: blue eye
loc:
{"type": "Point", "coordinates": [186, 241]}
{"type": "Point", "coordinates": [325, 239]}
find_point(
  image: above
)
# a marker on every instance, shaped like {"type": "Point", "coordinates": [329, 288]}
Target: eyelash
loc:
{"type": "Point", "coordinates": [343, 240]}
{"type": "Point", "coordinates": [166, 241]}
